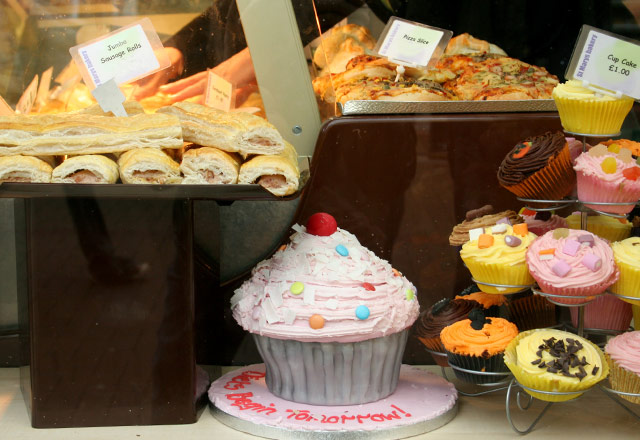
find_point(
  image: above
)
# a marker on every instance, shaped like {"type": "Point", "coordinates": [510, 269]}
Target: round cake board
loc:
{"type": "Point", "coordinates": [421, 403]}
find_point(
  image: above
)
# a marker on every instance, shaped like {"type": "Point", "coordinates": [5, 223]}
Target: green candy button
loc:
{"type": "Point", "coordinates": [409, 295]}
{"type": "Point", "coordinates": [296, 288]}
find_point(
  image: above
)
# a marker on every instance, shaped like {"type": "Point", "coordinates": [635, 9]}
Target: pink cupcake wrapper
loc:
{"type": "Point", "coordinates": [605, 312]}
{"type": "Point", "coordinates": [568, 292]}
{"type": "Point", "coordinates": [593, 189]}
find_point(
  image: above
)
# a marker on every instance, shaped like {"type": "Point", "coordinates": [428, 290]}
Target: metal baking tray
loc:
{"type": "Point", "coordinates": [364, 107]}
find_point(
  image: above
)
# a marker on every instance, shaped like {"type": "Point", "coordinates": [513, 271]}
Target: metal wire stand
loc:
{"type": "Point", "coordinates": [495, 386]}
{"type": "Point", "coordinates": [612, 394]}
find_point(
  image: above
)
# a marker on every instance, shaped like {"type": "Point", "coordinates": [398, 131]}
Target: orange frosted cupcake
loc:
{"type": "Point", "coordinates": [491, 303]}
{"type": "Point", "coordinates": [478, 344]}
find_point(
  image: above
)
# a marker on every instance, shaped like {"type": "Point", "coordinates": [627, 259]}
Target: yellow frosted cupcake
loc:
{"type": "Point", "coordinates": [584, 111]}
{"type": "Point", "coordinates": [609, 228]}
{"type": "Point", "coordinates": [557, 361]}
{"type": "Point", "coordinates": [626, 254]}
{"type": "Point", "coordinates": [496, 255]}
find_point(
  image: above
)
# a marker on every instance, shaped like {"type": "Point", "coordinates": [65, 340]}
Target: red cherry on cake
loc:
{"type": "Point", "coordinates": [321, 224]}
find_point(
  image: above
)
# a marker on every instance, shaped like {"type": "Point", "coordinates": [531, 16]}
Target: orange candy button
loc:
{"type": "Point", "coordinates": [485, 241]}
{"type": "Point", "coordinates": [316, 322]}
{"type": "Point", "coordinates": [521, 229]}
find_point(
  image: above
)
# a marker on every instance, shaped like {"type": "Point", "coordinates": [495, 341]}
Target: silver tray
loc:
{"type": "Point", "coordinates": [363, 107]}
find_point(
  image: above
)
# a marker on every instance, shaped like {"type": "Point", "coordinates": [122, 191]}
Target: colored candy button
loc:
{"type": "Point", "coordinates": [362, 312]}
{"type": "Point", "coordinates": [316, 322]}
{"type": "Point", "coordinates": [409, 295]}
{"type": "Point", "coordinates": [368, 286]}
{"type": "Point", "coordinates": [296, 288]}
{"type": "Point", "coordinates": [342, 250]}
{"type": "Point", "coordinates": [321, 224]}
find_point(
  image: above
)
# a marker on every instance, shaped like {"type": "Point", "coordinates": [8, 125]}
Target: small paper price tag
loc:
{"type": "Point", "coordinates": [606, 60]}
{"type": "Point", "coordinates": [412, 44]}
{"type": "Point", "coordinates": [219, 92]}
{"type": "Point", "coordinates": [5, 109]}
{"type": "Point", "coordinates": [125, 55]}
{"type": "Point", "coordinates": [25, 103]}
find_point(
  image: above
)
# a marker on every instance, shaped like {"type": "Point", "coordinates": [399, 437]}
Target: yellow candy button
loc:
{"type": "Point", "coordinates": [296, 288]}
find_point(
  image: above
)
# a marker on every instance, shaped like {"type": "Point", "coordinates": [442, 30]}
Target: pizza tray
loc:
{"type": "Point", "coordinates": [364, 107]}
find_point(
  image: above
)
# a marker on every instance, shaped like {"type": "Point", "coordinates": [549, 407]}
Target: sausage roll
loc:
{"type": "Point", "coordinates": [91, 168]}
{"type": "Point", "coordinates": [278, 174]}
{"type": "Point", "coordinates": [209, 165]}
{"type": "Point", "coordinates": [148, 165]}
{"type": "Point", "coordinates": [24, 169]}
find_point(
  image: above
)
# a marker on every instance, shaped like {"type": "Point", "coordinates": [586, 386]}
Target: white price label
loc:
{"type": "Point", "coordinates": [219, 93]}
{"type": "Point", "coordinates": [606, 60]}
{"type": "Point", "coordinates": [411, 43]}
{"type": "Point", "coordinates": [123, 55]}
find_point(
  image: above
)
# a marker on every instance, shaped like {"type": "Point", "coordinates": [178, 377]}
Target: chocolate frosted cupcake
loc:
{"type": "Point", "coordinates": [539, 168]}
{"type": "Point", "coordinates": [481, 218]}
{"type": "Point", "coordinates": [431, 322]}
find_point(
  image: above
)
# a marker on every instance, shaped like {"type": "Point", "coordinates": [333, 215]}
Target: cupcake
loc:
{"type": "Point", "coordinates": [604, 226]}
{"type": "Point", "coordinates": [608, 176]}
{"type": "Point", "coordinates": [431, 322]}
{"type": "Point", "coordinates": [540, 222]}
{"type": "Point", "coordinates": [481, 218]}
{"type": "Point", "coordinates": [570, 262]}
{"type": "Point", "coordinates": [497, 256]}
{"type": "Point", "coordinates": [531, 311]}
{"type": "Point", "coordinates": [478, 344]}
{"type": "Point", "coordinates": [555, 361]}
{"type": "Point", "coordinates": [490, 303]}
{"type": "Point", "coordinates": [623, 356]}
{"type": "Point", "coordinates": [329, 317]}
{"type": "Point", "coordinates": [626, 254]}
{"type": "Point", "coordinates": [587, 112]}
{"type": "Point", "coordinates": [606, 312]}
{"type": "Point", "coordinates": [539, 168]}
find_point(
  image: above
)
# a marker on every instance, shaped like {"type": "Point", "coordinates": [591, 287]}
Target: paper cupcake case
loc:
{"type": "Point", "coordinates": [533, 311]}
{"type": "Point", "coordinates": [623, 380]}
{"type": "Point", "coordinates": [606, 312]}
{"type": "Point", "coordinates": [593, 189]}
{"type": "Point", "coordinates": [332, 373]}
{"type": "Point", "coordinates": [436, 349]}
{"type": "Point", "coordinates": [517, 275]}
{"type": "Point", "coordinates": [566, 391]}
{"type": "Point", "coordinates": [628, 284]}
{"type": "Point", "coordinates": [585, 294]}
{"type": "Point", "coordinates": [592, 117]}
{"type": "Point", "coordinates": [492, 364]}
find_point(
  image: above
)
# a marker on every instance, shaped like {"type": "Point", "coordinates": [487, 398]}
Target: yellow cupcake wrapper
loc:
{"type": "Point", "coordinates": [623, 380]}
{"type": "Point", "coordinates": [628, 284]}
{"type": "Point", "coordinates": [516, 275]}
{"type": "Point", "coordinates": [608, 232]}
{"type": "Point", "coordinates": [536, 382]}
{"type": "Point", "coordinates": [591, 116]}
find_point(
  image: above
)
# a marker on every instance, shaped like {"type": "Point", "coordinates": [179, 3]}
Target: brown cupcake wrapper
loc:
{"type": "Point", "coordinates": [556, 180]}
{"type": "Point", "coordinates": [531, 312]}
{"type": "Point", "coordinates": [492, 364]}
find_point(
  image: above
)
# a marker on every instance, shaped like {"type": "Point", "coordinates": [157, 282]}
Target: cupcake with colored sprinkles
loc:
{"type": "Point", "coordinates": [551, 360]}
{"type": "Point", "coordinates": [329, 317]}
{"type": "Point", "coordinates": [478, 344]}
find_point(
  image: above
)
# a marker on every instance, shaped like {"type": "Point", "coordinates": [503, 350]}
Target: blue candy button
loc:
{"type": "Point", "coordinates": [342, 250]}
{"type": "Point", "coordinates": [362, 312]}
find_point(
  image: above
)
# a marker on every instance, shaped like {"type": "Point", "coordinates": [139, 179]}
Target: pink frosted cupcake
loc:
{"type": "Point", "coordinates": [606, 312]}
{"type": "Point", "coordinates": [608, 175]}
{"type": "Point", "coordinates": [541, 222]}
{"type": "Point", "coordinates": [330, 319]}
{"type": "Point", "coordinates": [570, 262]}
{"type": "Point", "coordinates": [623, 355]}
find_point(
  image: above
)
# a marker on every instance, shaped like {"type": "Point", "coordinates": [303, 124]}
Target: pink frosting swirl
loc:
{"type": "Point", "coordinates": [591, 166]}
{"type": "Point", "coordinates": [334, 287]}
{"type": "Point", "coordinates": [625, 350]}
{"type": "Point", "coordinates": [580, 275]}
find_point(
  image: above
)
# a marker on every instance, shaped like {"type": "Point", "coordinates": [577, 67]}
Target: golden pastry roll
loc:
{"type": "Point", "coordinates": [278, 174]}
{"type": "Point", "coordinates": [79, 133]}
{"type": "Point", "coordinates": [207, 165]}
{"type": "Point", "coordinates": [90, 168]}
{"type": "Point", "coordinates": [24, 169]}
{"type": "Point", "coordinates": [148, 165]}
{"type": "Point", "coordinates": [233, 132]}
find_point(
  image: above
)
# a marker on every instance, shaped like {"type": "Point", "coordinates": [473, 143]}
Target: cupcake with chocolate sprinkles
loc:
{"type": "Point", "coordinates": [555, 361]}
{"type": "Point", "coordinates": [478, 344]}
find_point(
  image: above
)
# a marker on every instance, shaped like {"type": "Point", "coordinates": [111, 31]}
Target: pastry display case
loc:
{"type": "Point", "coordinates": [121, 290]}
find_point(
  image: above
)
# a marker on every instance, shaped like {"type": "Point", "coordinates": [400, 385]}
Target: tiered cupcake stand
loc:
{"type": "Point", "coordinates": [506, 380]}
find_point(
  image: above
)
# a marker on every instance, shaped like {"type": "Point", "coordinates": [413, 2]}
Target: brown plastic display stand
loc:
{"type": "Point", "coordinates": [107, 300]}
